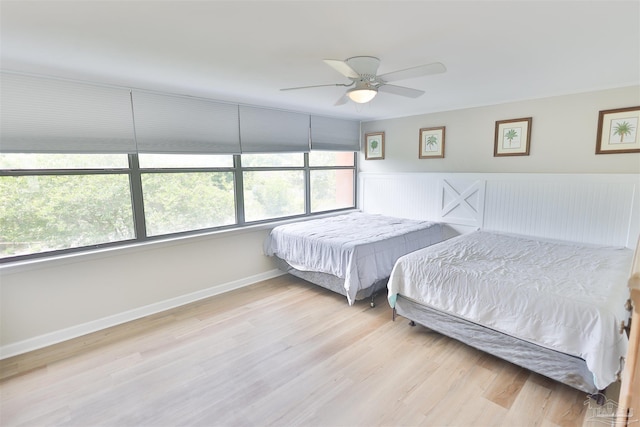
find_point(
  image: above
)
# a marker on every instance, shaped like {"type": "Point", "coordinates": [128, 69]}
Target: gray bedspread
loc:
{"type": "Point", "coordinates": [357, 247]}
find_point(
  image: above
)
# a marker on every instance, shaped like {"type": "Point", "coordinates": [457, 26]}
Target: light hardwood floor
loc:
{"type": "Point", "coordinates": [281, 352]}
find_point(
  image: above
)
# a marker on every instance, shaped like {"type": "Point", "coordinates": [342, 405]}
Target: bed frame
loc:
{"type": "Point", "coordinates": [571, 207]}
{"type": "Point", "coordinates": [559, 366]}
{"type": "Point", "coordinates": [333, 283]}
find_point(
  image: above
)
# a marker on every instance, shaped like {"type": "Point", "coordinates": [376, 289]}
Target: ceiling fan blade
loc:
{"type": "Point", "coordinates": [343, 68]}
{"type": "Point", "coordinates": [308, 87]}
{"type": "Point", "coordinates": [410, 73]}
{"type": "Point", "coordinates": [341, 101]}
{"type": "Point", "coordinates": [400, 90]}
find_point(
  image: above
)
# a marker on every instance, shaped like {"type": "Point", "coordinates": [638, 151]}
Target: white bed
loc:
{"type": "Point", "coordinates": [562, 304]}
{"type": "Point", "coordinates": [351, 254]}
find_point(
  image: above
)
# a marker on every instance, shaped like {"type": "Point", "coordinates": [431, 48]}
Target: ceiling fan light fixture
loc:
{"type": "Point", "coordinates": [362, 95]}
{"type": "Point", "coordinates": [365, 82]}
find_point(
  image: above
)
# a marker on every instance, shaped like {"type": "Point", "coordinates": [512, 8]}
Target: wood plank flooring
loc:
{"type": "Point", "coordinates": [281, 352]}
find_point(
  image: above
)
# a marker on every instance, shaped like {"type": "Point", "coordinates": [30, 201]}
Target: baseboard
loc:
{"type": "Point", "coordinates": [127, 316]}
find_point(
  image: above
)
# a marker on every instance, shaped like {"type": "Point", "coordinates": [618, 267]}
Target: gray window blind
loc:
{"type": "Point", "coordinates": [45, 115]}
{"type": "Point", "coordinates": [179, 124]}
{"type": "Point", "coordinates": [333, 134]}
{"type": "Point", "coordinates": [263, 130]}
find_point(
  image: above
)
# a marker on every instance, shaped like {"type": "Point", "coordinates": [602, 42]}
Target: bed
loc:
{"type": "Point", "coordinates": [556, 308]}
{"type": "Point", "coordinates": [351, 254]}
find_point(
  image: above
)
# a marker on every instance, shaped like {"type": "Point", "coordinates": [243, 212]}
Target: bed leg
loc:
{"type": "Point", "coordinates": [393, 314]}
{"type": "Point", "coordinates": [373, 298]}
{"type": "Point", "coordinates": [412, 323]}
{"type": "Point", "coordinates": [599, 397]}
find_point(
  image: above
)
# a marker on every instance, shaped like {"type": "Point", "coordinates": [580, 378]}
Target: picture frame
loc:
{"type": "Point", "coordinates": [513, 137]}
{"type": "Point", "coordinates": [374, 146]}
{"type": "Point", "coordinates": [618, 131]}
{"type": "Point", "coordinates": [431, 143]}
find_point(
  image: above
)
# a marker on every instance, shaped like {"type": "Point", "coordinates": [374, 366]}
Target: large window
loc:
{"type": "Point", "coordinates": [56, 203]}
{"type": "Point", "coordinates": [271, 191]}
{"type": "Point", "coordinates": [176, 165]}
{"type": "Point", "coordinates": [332, 178]}
{"type": "Point", "coordinates": [182, 192]}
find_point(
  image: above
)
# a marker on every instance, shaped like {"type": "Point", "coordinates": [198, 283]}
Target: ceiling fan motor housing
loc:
{"type": "Point", "coordinates": [366, 66]}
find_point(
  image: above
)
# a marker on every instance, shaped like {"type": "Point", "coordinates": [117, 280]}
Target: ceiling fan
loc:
{"type": "Point", "coordinates": [361, 70]}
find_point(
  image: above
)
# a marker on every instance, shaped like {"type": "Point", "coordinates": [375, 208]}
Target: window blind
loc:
{"type": "Point", "coordinates": [333, 134]}
{"type": "Point", "coordinates": [46, 115]}
{"type": "Point", "coordinates": [264, 130]}
{"type": "Point", "coordinates": [180, 124]}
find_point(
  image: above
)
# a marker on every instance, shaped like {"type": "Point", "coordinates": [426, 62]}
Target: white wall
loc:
{"type": "Point", "coordinates": [52, 300]}
{"type": "Point", "coordinates": [563, 137]}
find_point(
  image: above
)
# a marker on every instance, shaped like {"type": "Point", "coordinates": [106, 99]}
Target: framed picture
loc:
{"type": "Point", "coordinates": [513, 137]}
{"type": "Point", "coordinates": [431, 143]}
{"type": "Point", "coordinates": [374, 146]}
{"type": "Point", "coordinates": [618, 131]}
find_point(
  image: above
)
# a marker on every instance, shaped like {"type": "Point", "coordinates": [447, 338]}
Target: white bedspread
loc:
{"type": "Point", "coordinates": [357, 247]}
{"type": "Point", "coordinates": [564, 296]}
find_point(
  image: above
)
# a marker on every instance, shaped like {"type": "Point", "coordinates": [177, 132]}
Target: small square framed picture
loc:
{"type": "Point", "coordinates": [513, 137]}
{"type": "Point", "coordinates": [374, 146]}
{"type": "Point", "coordinates": [618, 131]}
{"type": "Point", "coordinates": [431, 143]}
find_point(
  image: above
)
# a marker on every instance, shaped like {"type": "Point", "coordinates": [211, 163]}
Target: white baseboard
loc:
{"type": "Point", "coordinates": [127, 316]}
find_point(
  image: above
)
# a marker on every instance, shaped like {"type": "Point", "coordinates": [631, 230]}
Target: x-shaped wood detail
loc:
{"type": "Point", "coordinates": [459, 198]}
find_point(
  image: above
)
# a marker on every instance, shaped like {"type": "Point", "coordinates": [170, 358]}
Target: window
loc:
{"type": "Point", "coordinates": [149, 161]}
{"type": "Point", "coordinates": [271, 191]}
{"type": "Point", "coordinates": [176, 165]}
{"type": "Point", "coordinates": [331, 189]}
{"type": "Point", "coordinates": [332, 178]}
{"type": "Point", "coordinates": [186, 192]}
{"type": "Point", "coordinates": [53, 203]}
{"type": "Point", "coordinates": [272, 194]}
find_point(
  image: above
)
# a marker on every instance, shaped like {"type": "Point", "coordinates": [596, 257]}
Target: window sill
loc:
{"type": "Point", "coordinates": [137, 247]}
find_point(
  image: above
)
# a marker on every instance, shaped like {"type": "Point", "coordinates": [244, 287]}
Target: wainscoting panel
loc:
{"type": "Point", "coordinates": [400, 195]}
{"type": "Point", "coordinates": [591, 212]}
{"type": "Point", "coordinates": [589, 208]}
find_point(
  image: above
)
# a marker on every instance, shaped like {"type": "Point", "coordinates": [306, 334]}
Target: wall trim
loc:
{"type": "Point", "coordinates": [76, 331]}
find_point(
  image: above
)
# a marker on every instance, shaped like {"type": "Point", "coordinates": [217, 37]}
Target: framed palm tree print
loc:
{"type": "Point", "coordinates": [618, 131]}
{"type": "Point", "coordinates": [513, 137]}
{"type": "Point", "coordinates": [374, 146]}
{"type": "Point", "coordinates": [431, 143]}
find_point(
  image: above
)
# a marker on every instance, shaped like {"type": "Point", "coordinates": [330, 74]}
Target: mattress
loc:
{"type": "Point", "coordinates": [563, 296]}
{"type": "Point", "coordinates": [358, 248]}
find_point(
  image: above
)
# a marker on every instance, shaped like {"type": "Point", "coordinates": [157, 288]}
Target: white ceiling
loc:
{"type": "Point", "coordinates": [245, 51]}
